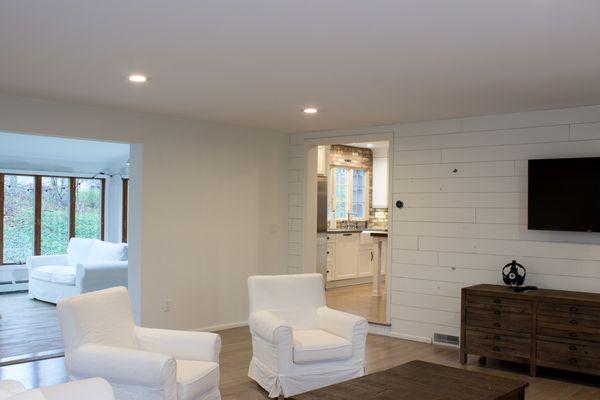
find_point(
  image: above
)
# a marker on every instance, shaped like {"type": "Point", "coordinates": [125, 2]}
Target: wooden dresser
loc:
{"type": "Point", "coordinates": [548, 328]}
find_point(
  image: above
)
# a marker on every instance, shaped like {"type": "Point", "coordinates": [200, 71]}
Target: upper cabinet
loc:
{"type": "Point", "coordinates": [322, 160]}
{"type": "Point", "coordinates": [380, 182]}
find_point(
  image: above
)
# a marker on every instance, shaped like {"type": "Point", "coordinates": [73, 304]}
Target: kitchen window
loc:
{"type": "Point", "coordinates": [350, 193]}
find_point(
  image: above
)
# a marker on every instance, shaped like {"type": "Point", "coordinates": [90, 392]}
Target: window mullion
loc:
{"type": "Point", "coordinates": [2, 219]}
{"type": "Point", "coordinates": [72, 194]}
{"type": "Point", "coordinates": [37, 239]}
{"type": "Point", "coordinates": [102, 210]}
{"type": "Point", "coordinates": [350, 193]}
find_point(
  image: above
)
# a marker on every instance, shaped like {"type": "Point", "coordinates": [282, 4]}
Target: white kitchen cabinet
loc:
{"type": "Point", "coordinates": [380, 182]}
{"type": "Point", "coordinates": [322, 160]}
{"type": "Point", "coordinates": [330, 261]}
{"type": "Point", "coordinates": [351, 256]}
{"type": "Point", "coordinates": [365, 261]}
{"type": "Point", "coordinates": [346, 256]}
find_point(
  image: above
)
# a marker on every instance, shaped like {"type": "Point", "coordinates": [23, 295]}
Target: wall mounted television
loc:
{"type": "Point", "coordinates": [564, 194]}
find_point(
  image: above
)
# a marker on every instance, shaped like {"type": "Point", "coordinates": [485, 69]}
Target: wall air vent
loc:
{"type": "Point", "coordinates": [446, 340]}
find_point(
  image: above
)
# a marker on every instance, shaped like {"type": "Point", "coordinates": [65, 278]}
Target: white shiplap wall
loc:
{"type": "Point", "coordinates": [464, 184]}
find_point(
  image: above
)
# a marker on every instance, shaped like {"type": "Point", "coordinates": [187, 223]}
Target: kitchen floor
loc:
{"type": "Point", "coordinates": [358, 299]}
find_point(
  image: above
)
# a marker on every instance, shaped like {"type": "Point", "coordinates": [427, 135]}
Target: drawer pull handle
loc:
{"type": "Point", "coordinates": [497, 324]}
{"type": "Point", "coordinates": [573, 360]}
{"type": "Point", "coordinates": [573, 309]}
{"type": "Point", "coordinates": [496, 337]}
{"type": "Point", "coordinates": [496, 348]}
{"type": "Point", "coordinates": [573, 348]}
{"type": "Point", "coordinates": [497, 301]}
{"type": "Point", "coordinates": [573, 334]}
{"type": "Point", "coordinates": [573, 322]}
{"type": "Point", "coordinates": [347, 234]}
{"type": "Point", "coordinates": [497, 312]}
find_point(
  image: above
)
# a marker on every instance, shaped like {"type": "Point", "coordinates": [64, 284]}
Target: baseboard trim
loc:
{"type": "Point", "coordinates": [412, 338]}
{"type": "Point", "coordinates": [221, 327]}
{"type": "Point", "coordinates": [351, 282]}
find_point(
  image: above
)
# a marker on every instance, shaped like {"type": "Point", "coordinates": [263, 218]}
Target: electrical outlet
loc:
{"type": "Point", "coordinates": [167, 306]}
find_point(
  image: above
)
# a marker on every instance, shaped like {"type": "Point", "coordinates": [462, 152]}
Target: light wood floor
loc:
{"type": "Point", "coordinates": [382, 352]}
{"type": "Point", "coordinates": [28, 326]}
{"type": "Point", "coordinates": [358, 299]}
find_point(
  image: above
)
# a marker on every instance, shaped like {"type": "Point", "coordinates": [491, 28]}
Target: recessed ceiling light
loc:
{"type": "Point", "coordinates": [138, 78]}
{"type": "Point", "coordinates": [310, 110]}
{"type": "Point", "coordinates": [369, 144]}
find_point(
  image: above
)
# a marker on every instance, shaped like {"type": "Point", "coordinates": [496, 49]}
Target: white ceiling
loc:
{"type": "Point", "coordinates": [258, 63]}
{"type": "Point", "coordinates": [51, 154]}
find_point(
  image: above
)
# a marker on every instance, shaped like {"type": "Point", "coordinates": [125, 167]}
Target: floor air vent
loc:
{"type": "Point", "coordinates": [448, 340]}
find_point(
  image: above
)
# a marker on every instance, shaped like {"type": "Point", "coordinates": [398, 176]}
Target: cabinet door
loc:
{"type": "Point", "coordinates": [346, 256]}
{"type": "Point", "coordinates": [380, 182]}
{"type": "Point", "coordinates": [365, 263]}
{"type": "Point", "coordinates": [330, 261]}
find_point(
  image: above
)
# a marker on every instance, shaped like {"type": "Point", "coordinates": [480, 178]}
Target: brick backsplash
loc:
{"type": "Point", "coordinates": [378, 218]}
{"type": "Point", "coordinates": [358, 157]}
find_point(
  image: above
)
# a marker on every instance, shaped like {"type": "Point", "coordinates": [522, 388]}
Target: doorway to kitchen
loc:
{"type": "Point", "coordinates": [353, 218]}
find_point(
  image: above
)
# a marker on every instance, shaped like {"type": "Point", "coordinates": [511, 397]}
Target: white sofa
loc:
{"type": "Point", "coordinates": [89, 265]}
{"type": "Point", "coordinates": [299, 344]}
{"type": "Point", "coordinates": [101, 339]}
{"type": "Point", "coordinates": [89, 389]}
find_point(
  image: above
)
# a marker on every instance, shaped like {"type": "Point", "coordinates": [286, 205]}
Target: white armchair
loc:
{"type": "Point", "coordinates": [299, 344]}
{"type": "Point", "coordinates": [101, 339]}
{"type": "Point", "coordinates": [89, 389]}
{"type": "Point", "coordinates": [89, 265]}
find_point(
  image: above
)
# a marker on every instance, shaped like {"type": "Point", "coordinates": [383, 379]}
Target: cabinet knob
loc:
{"type": "Point", "coordinates": [496, 348]}
{"type": "Point", "coordinates": [573, 348]}
{"type": "Point", "coordinates": [328, 252]}
{"type": "Point", "coordinates": [573, 360]}
{"type": "Point", "coordinates": [497, 301]}
{"type": "Point", "coordinates": [496, 337]}
{"type": "Point", "coordinates": [497, 312]}
{"type": "Point", "coordinates": [573, 334]}
{"type": "Point", "coordinates": [573, 309]}
{"type": "Point", "coordinates": [573, 322]}
{"type": "Point", "coordinates": [497, 324]}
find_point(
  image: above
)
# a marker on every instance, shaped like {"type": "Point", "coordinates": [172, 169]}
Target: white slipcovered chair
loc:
{"type": "Point", "coordinates": [88, 389]}
{"type": "Point", "coordinates": [299, 344]}
{"type": "Point", "coordinates": [102, 340]}
{"type": "Point", "coordinates": [89, 265]}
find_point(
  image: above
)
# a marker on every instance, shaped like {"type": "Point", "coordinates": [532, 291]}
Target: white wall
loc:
{"type": "Point", "coordinates": [459, 228]}
{"type": "Point", "coordinates": [213, 211]}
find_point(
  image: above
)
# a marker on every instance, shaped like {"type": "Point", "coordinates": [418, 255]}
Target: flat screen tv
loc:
{"type": "Point", "coordinates": [564, 194]}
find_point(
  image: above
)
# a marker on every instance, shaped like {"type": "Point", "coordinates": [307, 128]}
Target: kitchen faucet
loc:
{"type": "Point", "coordinates": [350, 218]}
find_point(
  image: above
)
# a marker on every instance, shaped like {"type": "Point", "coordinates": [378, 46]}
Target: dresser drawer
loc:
{"type": "Point", "coordinates": [570, 322]}
{"type": "Point", "coordinates": [497, 318]}
{"type": "Point", "coordinates": [573, 349]}
{"type": "Point", "coordinates": [565, 332]}
{"type": "Point", "coordinates": [499, 303]}
{"type": "Point", "coordinates": [498, 345]}
{"type": "Point", "coordinates": [568, 356]}
{"type": "Point", "coordinates": [569, 310]}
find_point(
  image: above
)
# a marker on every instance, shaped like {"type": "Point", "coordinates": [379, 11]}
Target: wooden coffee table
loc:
{"type": "Point", "coordinates": [419, 380]}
